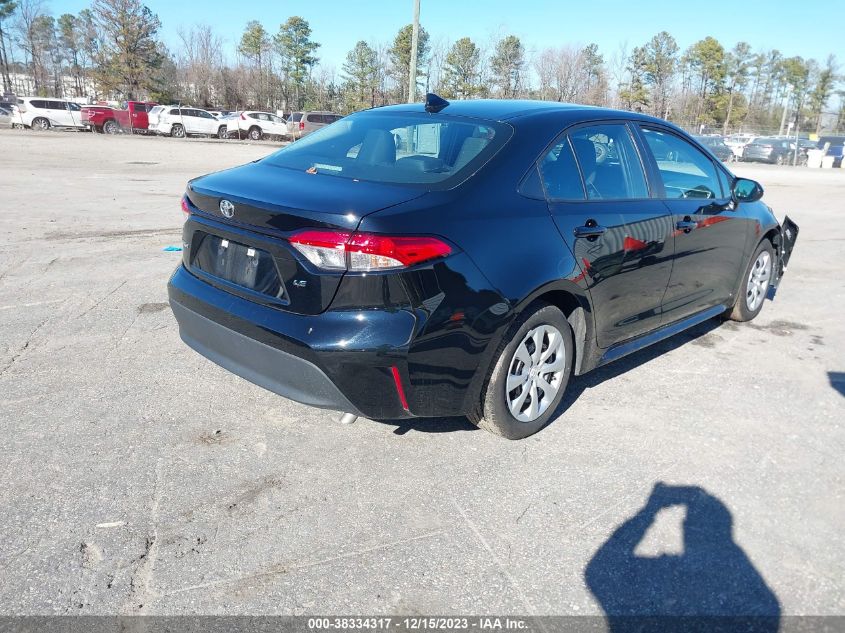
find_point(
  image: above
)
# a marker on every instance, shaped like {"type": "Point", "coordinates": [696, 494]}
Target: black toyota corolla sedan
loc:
{"type": "Point", "coordinates": [467, 258]}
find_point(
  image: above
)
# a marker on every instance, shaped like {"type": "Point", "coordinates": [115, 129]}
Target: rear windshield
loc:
{"type": "Point", "coordinates": [296, 116]}
{"type": "Point", "coordinates": [426, 150]}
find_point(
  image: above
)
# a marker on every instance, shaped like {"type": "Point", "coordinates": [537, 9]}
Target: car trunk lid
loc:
{"type": "Point", "coordinates": [243, 248]}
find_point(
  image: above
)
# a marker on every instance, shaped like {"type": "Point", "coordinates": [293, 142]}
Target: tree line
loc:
{"type": "Point", "coordinates": [113, 50]}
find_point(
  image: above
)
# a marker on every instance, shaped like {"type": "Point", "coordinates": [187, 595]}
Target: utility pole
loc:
{"type": "Point", "coordinates": [415, 39]}
{"type": "Point", "coordinates": [785, 109]}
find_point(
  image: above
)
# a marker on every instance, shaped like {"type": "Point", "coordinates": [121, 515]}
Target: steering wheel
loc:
{"type": "Point", "coordinates": [601, 152]}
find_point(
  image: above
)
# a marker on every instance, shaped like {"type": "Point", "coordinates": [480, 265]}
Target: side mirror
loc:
{"type": "Point", "coordinates": [746, 190]}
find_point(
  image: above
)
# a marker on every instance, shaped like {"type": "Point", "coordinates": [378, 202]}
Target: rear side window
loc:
{"type": "Point", "coordinates": [296, 117]}
{"type": "Point", "coordinates": [331, 118]}
{"type": "Point", "coordinates": [426, 150]}
{"type": "Point", "coordinates": [561, 178]}
{"type": "Point", "coordinates": [610, 165]}
{"type": "Point", "coordinates": [38, 103]}
{"type": "Point", "coordinates": [685, 170]}
{"type": "Point", "coordinates": [174, 112]}
{"type": "Point", "coordinates": [314, 118]}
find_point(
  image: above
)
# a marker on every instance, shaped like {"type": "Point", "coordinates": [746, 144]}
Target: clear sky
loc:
{"type": "Point", "coordinates": [810, 28]}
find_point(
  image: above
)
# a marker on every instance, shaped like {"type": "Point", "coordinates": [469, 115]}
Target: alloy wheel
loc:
{"type": "Point", "coordinates": [535, 373]}
{"type": "Point", "coordinates": [758, 281]}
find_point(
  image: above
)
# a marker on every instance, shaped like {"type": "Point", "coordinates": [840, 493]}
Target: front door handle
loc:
{"type": "Point", "coordinates": [686, 225]}
{"type": "Point", "coordinates": [591, 229]}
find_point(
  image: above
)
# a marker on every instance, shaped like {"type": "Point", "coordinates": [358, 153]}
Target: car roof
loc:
{"type": "Point", "coordinates": [505, 109]}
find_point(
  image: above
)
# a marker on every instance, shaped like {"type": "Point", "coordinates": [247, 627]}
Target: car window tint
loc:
{"type": "Point", "coordinates": [276, 119]}
{"type": "Point", "coordinates": [316, 118]}
{"type": "Point", "coordinates": [610, 165]}
{"type": "Point", "coordinates": [74, 106]}
{"type": "Point", "coordinates": [685, 170]}
{"type": "Point", "coordinates": [331, 118]}
{"type": "Point", "coordinates": [296, 117]}
{"type": "Point", "coordinates": [38, 103]}
{"type": "Point", "coordinates": [174, 112]}
{"type": "Point", "coordinates": [561, 177]}
{"type": "Point", "coordinates": [263, 116]}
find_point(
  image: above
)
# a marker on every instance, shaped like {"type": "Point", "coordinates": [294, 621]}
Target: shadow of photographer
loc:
{"type": "Point", "coordinates": [710, 586]}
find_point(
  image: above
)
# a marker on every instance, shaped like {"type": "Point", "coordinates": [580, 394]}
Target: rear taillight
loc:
{"type": "Point", "coordinates": [185, 208]}
{"type": "Point", "coordinates": [302, 125]}
{"type": "Point", "coordinates": [243, 118]}
{"type": "Point", "coordinates": [344, 250]}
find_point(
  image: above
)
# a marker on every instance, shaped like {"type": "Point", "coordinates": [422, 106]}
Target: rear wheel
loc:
{"type": "Point", "coordinates": [529, 376]}
{"type": "Point", "coordinates": [40, 123]}
{"type": "Point", "coordinates": [221, 132]}
{"type": "Point", "coordinates": [255, 133]}
{"type": "Point", "coordinates": [755, 284]}
{"type": "Point", "coordinates": [177, 131]}
{"type": "Point", "coordinates": [110, 127]}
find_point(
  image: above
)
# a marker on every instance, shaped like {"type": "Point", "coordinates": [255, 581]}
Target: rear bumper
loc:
{"type": "Point", "coordinates": [277, 371]}
{"type": "Point", "coordinates": [340, 360]}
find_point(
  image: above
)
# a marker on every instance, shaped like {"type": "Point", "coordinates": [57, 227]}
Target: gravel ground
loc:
{"type": "Point", "coordinates": [138, 477]}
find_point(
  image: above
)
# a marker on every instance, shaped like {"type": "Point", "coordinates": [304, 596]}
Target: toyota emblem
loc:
{"type": "Point", "coordinates": [227, 208]}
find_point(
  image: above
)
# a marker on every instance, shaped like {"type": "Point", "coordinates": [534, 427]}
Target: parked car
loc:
{"type": "Point", "coordinates": [737, 143]}
{"type": "Point", "coordinates": [469, 273]}
{"type": "Point", "coordinates": [303, 123]}
{"type": "Point", "coordinates": [132, 118]}
{"type": "Point", "coordinates": [717, 146]}
{"type": "Point", "coordinates": [42, 114]}
{"type": "Point", "coordinates": [768, 150]}
{"type": "Point", "coordinates": [256, 125]}
{"type": "Point", "coordinates": [835, 147]}
{"type": "Point", "coordinates": [185, 121]}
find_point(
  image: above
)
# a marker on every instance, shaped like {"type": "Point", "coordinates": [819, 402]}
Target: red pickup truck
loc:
{"type": "Point", "coordinates": [113, 121]}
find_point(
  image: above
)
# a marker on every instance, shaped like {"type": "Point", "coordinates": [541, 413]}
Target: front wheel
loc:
{"type": "Point", "coordinates": [529, 376]}
{"type": "Point", "coordinates": [755, 285]}
{"type": "Point", "coordinates": [779, 159]}
{"type": "Point", "coordinates": [221, 132]}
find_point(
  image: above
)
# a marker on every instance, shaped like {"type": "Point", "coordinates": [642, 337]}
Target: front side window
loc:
{"type": "Point", "coordinates": [610, 166]}
{"type": "Point", "coordinates": [685, 170]}
{"type": "Point", "coordinates": [427, 150]}
{"type": "Point", "coordinates": [75, 107]}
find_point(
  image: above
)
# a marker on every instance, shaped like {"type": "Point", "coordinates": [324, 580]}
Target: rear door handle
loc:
{"type": "Point", "coordinates": [591, 228]}
{"type": "Point", "coordinates": [686, 225]}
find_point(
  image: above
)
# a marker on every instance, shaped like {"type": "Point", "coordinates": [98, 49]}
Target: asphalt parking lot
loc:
{"type": "Point", "coordinates": [137, 477]}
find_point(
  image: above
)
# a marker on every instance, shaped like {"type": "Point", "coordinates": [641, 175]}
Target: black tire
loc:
{"type": "Point", "coordinates": [40, 123]}
{"type": "Point", "coordinates": [255, 133]}
{"type": "Point", "coordinates": [111, 127]}
{"type": "Point", "coordinates": [779, 159]}
{"type": "Point", "coordinates": [493, 413]}
{"type": "Point", "coordinates": [741, 311]}
{"type": "Point", "coordinates": [222, 132]}
{"type": "Point", "coordinates": [177, 131]}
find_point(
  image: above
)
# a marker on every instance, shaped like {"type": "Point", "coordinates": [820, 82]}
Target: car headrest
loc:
{"type": "Point", "coordinates": [378, 147]}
